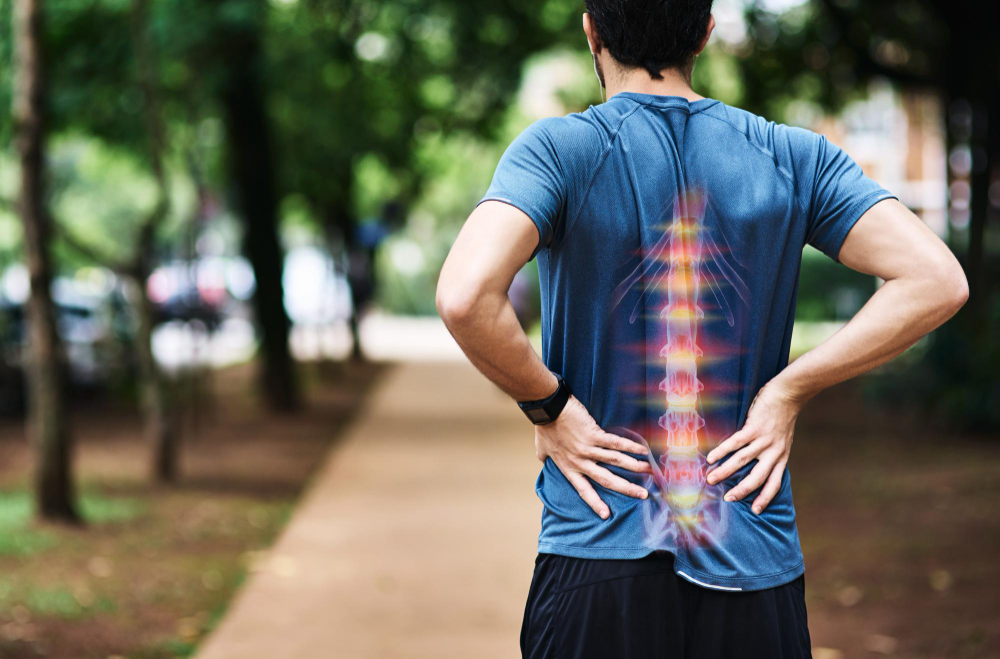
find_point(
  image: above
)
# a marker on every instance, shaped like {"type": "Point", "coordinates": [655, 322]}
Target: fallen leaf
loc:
{"type": "Point", "coordinates": [850, 595]}
{"type": "Point", "coordinates": [881, 644]}
{"type": "Point", "coordinates": [941, 580]}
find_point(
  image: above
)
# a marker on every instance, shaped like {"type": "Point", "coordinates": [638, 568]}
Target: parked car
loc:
{"type": "Point", "coordinates": [95, 331]}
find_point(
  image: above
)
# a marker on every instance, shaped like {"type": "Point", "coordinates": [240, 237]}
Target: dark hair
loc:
{"type": "Point", "coordinates": [651, 34]}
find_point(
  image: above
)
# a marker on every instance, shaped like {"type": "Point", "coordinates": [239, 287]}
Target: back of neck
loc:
{"type": "Point", "coordinates": [673, 83]}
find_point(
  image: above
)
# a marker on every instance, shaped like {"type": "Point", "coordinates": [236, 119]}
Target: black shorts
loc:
{"type": "Point", "coordinates": [582, 608]}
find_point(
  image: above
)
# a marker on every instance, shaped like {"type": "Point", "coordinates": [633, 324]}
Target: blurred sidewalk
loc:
{"type": "Point", "coordinates": [384, 337]}
{"type": "Point", "coordinates": [415, 539]}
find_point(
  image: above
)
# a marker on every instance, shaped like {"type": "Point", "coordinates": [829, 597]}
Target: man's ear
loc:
{"type": "Point", "coordinates": [708, 33]}
{"type": "Point", "coordinates": [592, 39]}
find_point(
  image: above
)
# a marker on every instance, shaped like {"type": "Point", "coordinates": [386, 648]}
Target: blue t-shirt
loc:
{"type": "Point", "coordinates": [671, 235]}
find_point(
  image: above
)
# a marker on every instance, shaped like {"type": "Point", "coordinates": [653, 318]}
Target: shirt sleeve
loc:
{"type": "Point", "coordinates": [530, 177]}
{"type": "Point", "coordinates": [841, 194]}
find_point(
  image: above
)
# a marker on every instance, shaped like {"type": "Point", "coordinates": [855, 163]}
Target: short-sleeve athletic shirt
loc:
{"type": "Point", "coordinates": [670, 239]}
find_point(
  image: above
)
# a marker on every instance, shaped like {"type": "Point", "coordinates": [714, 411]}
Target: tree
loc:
{"type": "Point", "coordinates": [161, 427]}
{"type": "Point", "coordinates": [47, 422]}
{"type": "Point", "coordinates": [942, 47]}
{"type": "Point", "coordinates": [828, 50]}
{"type": "Point", "coordinates": [208, 67]}
{"type": "Point", "coordinates": [252, 163]}
{"type": "Point", "coordinates": [354, 82]}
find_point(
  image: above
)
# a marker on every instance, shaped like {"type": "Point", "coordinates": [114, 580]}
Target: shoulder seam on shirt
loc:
{"type": "Point", "coordinates": [762, 151]}
{"type": "Point", "coordinates": [597, 167]}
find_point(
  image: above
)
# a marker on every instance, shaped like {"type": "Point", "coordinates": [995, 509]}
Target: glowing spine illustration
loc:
{"type": "Point", "coordinates": [681, 461]}
{"type": "Point", "coordinates": [689, 259]}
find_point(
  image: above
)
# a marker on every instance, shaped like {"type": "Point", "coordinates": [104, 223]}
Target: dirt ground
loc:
{"type": "Point", "coordinates": [155, 566]}
{"type": "Point", "coordinates": [898, 523]}
{"type": "Point", "coordinates": [897, 520]}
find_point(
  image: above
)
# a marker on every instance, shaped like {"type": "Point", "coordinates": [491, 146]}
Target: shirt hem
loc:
{"type": "Point", "coordinates": [697, 577]}
{"type": "Point", "coordinates": [853, 214]}
{"type": "Point", "coordinates": [533, 214]}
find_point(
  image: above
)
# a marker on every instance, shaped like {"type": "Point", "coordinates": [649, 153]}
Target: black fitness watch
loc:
{"type": "Point", "coordinates": [546, 410]}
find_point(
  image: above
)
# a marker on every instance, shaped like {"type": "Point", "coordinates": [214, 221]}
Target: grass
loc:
{"type": "Point", "coordinates": [19, 537]}
{"type": "Point", "coordinates": [62, 603]}
{"type": "Point", "coordinates": [163, 555]}
{"type": "Point", "coordinates": [152, 569]}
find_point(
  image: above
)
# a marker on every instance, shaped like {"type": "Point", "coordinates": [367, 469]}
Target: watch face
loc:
{"type": "Point", "coordinates": [537, 415]}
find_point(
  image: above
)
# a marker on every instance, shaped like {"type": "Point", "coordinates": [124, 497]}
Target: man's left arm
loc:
{"type": "Point", "coordinates": [924, 286]}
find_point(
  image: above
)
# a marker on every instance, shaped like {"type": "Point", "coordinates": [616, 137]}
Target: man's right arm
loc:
{"type": "Point", "coordinates": [495, 242]}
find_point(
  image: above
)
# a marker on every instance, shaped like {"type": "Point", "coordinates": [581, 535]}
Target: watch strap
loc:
{"type": "Point", "coordinates": [546, 410]}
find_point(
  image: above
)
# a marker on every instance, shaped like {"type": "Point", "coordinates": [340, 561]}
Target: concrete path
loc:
{"type": "Point", "coordinates": [415, 539]}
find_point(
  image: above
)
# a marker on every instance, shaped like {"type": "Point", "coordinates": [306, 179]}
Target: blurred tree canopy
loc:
{"type": "Point", "coordinates": [273, 100]}
{"type": "Point", "coordinates": [355, 81]}
{"type": "Point", "coordinates": [352, 112]}
{"type": "Point", "coordinates": [827, 51]}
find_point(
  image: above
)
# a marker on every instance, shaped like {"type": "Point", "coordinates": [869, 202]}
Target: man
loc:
{"type": "Point", "coordinates": [669, 229]}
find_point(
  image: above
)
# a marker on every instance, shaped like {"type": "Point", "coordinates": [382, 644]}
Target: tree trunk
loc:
{"type": "Point", "coordinates": [339, 226]}
{"type": "Point", "coordinates": [252, 164]}
{"type": "Point", "coordinates": [159, 416]}
{"type": "Point", "coordinates": [979, 184]}
{"type": "Point", "coordinates": [160, 420]}
{"type": "Point", "coordinates": [47, 425]}
{"type": "Point", "coordinates": [972, 41]}
{"type": "Point", "coordinates": [158, 412]}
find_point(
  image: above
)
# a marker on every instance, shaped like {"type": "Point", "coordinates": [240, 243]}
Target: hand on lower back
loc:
{"type": "Point", "coordinates": [767, 436]}
{"type": "Point", "coordinates": [578, 446]}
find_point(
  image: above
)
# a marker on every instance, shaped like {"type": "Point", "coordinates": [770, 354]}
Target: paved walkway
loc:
{"type": "Point", "coordinates": [415, 539]}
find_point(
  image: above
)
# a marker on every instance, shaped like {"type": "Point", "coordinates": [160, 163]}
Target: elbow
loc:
{"type": "Point", "coordinates": [952, 287]}
{"type": "Point", "coordinates": [456, 304]}
{"type": "Point", "coordinates": [959, 290]}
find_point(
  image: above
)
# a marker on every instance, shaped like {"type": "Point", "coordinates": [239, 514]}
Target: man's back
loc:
{"type": "Point", "coordinates": [669, 230]}
{"type": "Point", "coordinates": [671, 234]}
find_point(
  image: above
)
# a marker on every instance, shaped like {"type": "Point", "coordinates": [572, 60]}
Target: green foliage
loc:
{"type": "Point", "coordinates": [99, 509]}
{"type": "Point", "coordinates": [410, 102]}
{"type": "Point", "coordinates": [828, 290]}
{"type": "Point", "coordinates": [10, 224]}
{"type": "Point", "coordinates": [952, 376]}
{"type": "Point", "coordinates": [90, 67]}
{"type": "Point", "coordinates": [359, 94]}
{"type": "Point", "coordinates": [19, 537]}
{"type": "Point", "coordinates": [717, 75]}
{"type": "Point", "coordinates": [174, 647]}
{"type": "Point", "coordinates": [100, 193]}
{"type": "Point", "coordinates": [6, 79]}
{"type": "Point", "coordinates": [458, 170]}
{"type": "Point", "coordinates": [62, 603]}
{"type": "Point", "coordinates": [822, 54]}
{"type": "Point", "coordinates": [358, 89]}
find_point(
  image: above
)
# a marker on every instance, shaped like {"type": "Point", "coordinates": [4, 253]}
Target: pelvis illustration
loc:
{"type": "Point", "coordinates": [688, 263]}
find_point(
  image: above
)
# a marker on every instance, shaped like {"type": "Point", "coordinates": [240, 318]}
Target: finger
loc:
{"type": "Point", "coordinates": [607, 440]}
{"type": "Point", "coordinates": [753, 480]}
{"type": "Point", "coordinates": [771, 488]}
{"type": "Point", "coordinates": [619, 459]}
{"type": "Point", "coordinates": [737, 440]}
{"type": "Point", "coordinates": [605, 478]}
{"type": "Point", "coordinates": [588, 494]}
{"type": "Point", "coordinates": [739, 460]}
